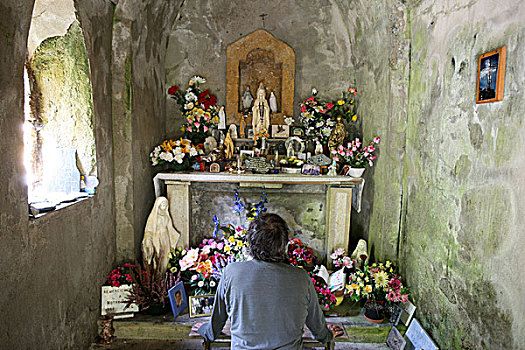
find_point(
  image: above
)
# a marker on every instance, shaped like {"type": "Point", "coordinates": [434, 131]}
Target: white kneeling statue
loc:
{"type": "Point", "coordinates": [159, 236]}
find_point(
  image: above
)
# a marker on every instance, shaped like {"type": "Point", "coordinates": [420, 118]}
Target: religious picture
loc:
{"type": "Point", "coordinates": [201, 305]}
{"type": "Point", "coordinates": [491, 76]}
{"type": "Point", "coordinates": [249, 132]}
{"type": "Point", "coordinates": [280, 131]}
{"type": "Point", "coordinates": [178, 299]}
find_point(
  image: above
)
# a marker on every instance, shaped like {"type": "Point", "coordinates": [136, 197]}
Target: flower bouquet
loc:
{"type": "Point", "coordinates": [345, 106]}
{"type": "Point", "coordinates": [149, 289]}
{"type": "Point", "coordinates": [291, 162]}
{"type": "Point", "coordinates": [324, 295]}
{"type": "Point", "coordinates": [377, 284]}
{"type": "Point", "coordinates": [316, 118]}
{"type": "Point", "coordinates": [300, 254]}
{"type": "Point", "coordinates": [120, 275]}
{"type": "Point", "coordinates": [174, 153]}
{"type": "Point", "coordinates": [357, 154]}
{"type": "Point", "coordinates": [198, 106]}
{"type": "Point", "coordinates": [340, 259]}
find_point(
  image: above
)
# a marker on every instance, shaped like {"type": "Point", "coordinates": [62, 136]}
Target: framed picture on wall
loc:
{"type": "Point", "coordinates": [491, 76]}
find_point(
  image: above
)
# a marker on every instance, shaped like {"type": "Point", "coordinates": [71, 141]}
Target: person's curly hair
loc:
{"type": "Point", "coordinates": [267, 238]}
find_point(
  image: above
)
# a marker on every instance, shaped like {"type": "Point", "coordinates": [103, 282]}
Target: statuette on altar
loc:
{"type": "Point", "coordinates": [260, 112]}
{"type": "Point", "coordinates": [222, 119]}
{"type": "Point", "coordinates": [273, 103]}
{"type": "Point", "coordinates": [337, 136]}
{"type": "Point", "coordinates": [228, 144]}
{"type": "Point", "coordinates": [247, 98]}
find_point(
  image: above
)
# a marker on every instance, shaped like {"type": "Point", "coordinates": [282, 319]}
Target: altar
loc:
{"type": "Point", "coordinates": [316, 208]}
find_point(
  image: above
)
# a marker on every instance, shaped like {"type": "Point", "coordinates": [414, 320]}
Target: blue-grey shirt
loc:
{"type": "Point", "coordinates": [268, 305]}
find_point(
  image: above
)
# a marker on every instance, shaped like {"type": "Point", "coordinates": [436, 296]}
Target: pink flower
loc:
{"type": "Point", "coordinates": [303, 108]}
{"type": "Point", "coordinates": [377, 139]}
{"type": "Point", "coordinates": [189, 128]}
{"type": "Point", "coordinates": [347, 262]}
{"type": "Point", "coordinates": [357, 142]}
{"type": "Point", "coordinates": [197, 124]}
{"type": "Point", "coordinates": [336, 158]}
{"type": "Point", "coordinates": [404, 298]}
{"type": "Point", "coordinates": [205, 128]}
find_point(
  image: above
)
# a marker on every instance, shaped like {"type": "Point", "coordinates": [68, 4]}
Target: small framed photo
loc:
{"type": "Point", "coordinates": [215, 168]}
{"type": "Point", "coordinates": [178, 299]}
{"type": "Point", "coordinates": [201, 305]}
{"type": "Point", "coordinates": [395, 315]}
{"type": "Point", "coordinates": [249, 132]}
{"type": "Point", "coordinates": [297, 131]}
{"type": "Point", "coordinates": [491, 76]}
{"type": "Point", "coordinates": [280, 131]}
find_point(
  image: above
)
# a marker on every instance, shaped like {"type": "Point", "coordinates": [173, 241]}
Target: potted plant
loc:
{"type": "Point", "coordinates": [357, 155]}
{"type": "Point", "coordinates": [379, 285]}
{"type": "Point", "coordinates": [149, 289]}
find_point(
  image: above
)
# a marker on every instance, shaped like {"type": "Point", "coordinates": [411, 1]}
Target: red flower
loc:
{"type": "Point", "coordinates": [172, 90]}
{"type": "Point", "coordinates": [310, 98]}
{"type": "Point", "coordinates": [207, 99]}
{"type": "Point", "coordinates": [329, 105]}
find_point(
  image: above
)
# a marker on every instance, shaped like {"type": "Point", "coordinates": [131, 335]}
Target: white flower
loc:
{"type": "Point", "coordinates": [177, 150]}
{"type": "Point", "coordinates": [193, 152]}
{"type": "Point", "coordinates": [166, 156]}
{"type": "Point", "coordinates": [288, 120]}
{"type": "Point", "coordinates": [179, 158]}
{"type": "Point", "coordinates": [194, 277]}
{"type": "Point", "coordinates": [319, 124]}
{"type": "Point", "coordinates": [197, 80]}
{"type": "Point", "coordinates": [190, 96]}
{"type": "Point", "coordinates": [212, 284]}
{"type": "Point", "coordinates": [189, 105]}
{"type": "Point", "coordinates": [200, 284]}
{"type": "Point", "coordinates": [314, 91]}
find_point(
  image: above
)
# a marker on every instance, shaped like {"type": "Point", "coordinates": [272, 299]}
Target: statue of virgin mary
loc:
{"type": "Point", "coordinates": [260, 112]}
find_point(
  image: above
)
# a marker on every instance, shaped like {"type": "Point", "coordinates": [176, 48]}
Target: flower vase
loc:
{"type": "Point", "coordinates": [355, 172]}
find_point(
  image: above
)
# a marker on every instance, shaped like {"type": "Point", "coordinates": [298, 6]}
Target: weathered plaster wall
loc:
{"type": "Point", "coordinates": [463, 189]}
{"type": "Point", "coordinates": [204, 28]}
{"type": "Point", "coordinates": [53, 266]}
{"type": "Point", "coordinates": [139, 47]}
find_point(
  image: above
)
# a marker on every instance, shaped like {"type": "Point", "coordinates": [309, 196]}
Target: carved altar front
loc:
{"type": "Point", "coordinates": [260, 58]}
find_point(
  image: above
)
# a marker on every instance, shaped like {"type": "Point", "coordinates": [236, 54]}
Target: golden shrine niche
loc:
{"type": "Point", "coordinates": [255, 58]}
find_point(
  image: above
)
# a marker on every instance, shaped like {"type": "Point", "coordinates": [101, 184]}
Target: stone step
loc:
{"type": "Point", "coordinates": [165, 327]}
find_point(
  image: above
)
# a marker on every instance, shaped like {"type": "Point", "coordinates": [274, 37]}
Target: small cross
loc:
{"type": "Point", "coordinates": [262, 17]}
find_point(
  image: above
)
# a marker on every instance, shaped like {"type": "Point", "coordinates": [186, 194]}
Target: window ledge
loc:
{"type": "Point", "coordinates": [38, 210]}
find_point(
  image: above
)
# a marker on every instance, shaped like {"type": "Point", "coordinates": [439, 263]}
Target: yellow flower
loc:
{"type": "Point", "coordinates": [387, 264]}
{"type": "Point", "coordinates": [226, 248]}
{"type": "Point", "coordinates": [366, 279]}
{"type": "Point", "coordinates": [368, 288]}
{"type": "Point", "coordinates": [381, 279]}
{"type": "Point", "coordinates": [354, 117]}
{"type": "Point", "coordinates": [215, 120]}
{"type": "Point", "coordinates": [239, 244]}
{"type": "Point", "coordinates": [231, 239]}
{"type": "Point", "coordinates": [391, 270]}
{"type": "Point", "coordinates": [340, 102]}
{"type": "Point", "coordinates": [354, 286]}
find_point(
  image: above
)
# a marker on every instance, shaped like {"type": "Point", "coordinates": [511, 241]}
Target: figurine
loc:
{"type": "Point", "coordinates": [233, 131]}
{"type": "Point", "coordinates": [222, 119]}
{"type": "Point", "coordinates": [247, 98]}
{"type": "Point", "coordinates": [337, 136]}
{"type": "Point", "coordinates": [273, 103]}
{"type": "Point", "coordinates": [228, 143]}
{"type": "Point", "coordinates": [210, 144]}
{"type": "Point", "coordinates": [332, 169]}
{"type": "Point", "coordinates": [289, 150]}
{"type": "Point", "coordinates": [242, 127]}
{"type": "Point", "coordinates": [260, 112]}
{"type": "Point", "coordinates": [318, 147]}
{"type": "Point", "coordinates": [159, 235]}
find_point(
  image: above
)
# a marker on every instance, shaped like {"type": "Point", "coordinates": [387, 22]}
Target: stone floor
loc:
{"type": "Point", "coordinates": [144, 332]}
{"type": "Point", "coordinates": [196, 344]}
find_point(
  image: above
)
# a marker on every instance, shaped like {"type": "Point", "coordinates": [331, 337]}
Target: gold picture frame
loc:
{"type": "Point", "coordinates": [491, 76]}
{"type": "Point", "coordinates": [201, 305]}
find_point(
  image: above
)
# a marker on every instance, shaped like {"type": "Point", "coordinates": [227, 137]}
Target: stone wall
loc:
{"type": "Point", "coordinates": [139, 48]}
{"type": "Point", "coordinates": [53, 266]}
{"type": "Point", "coordinates": [461, 224]}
